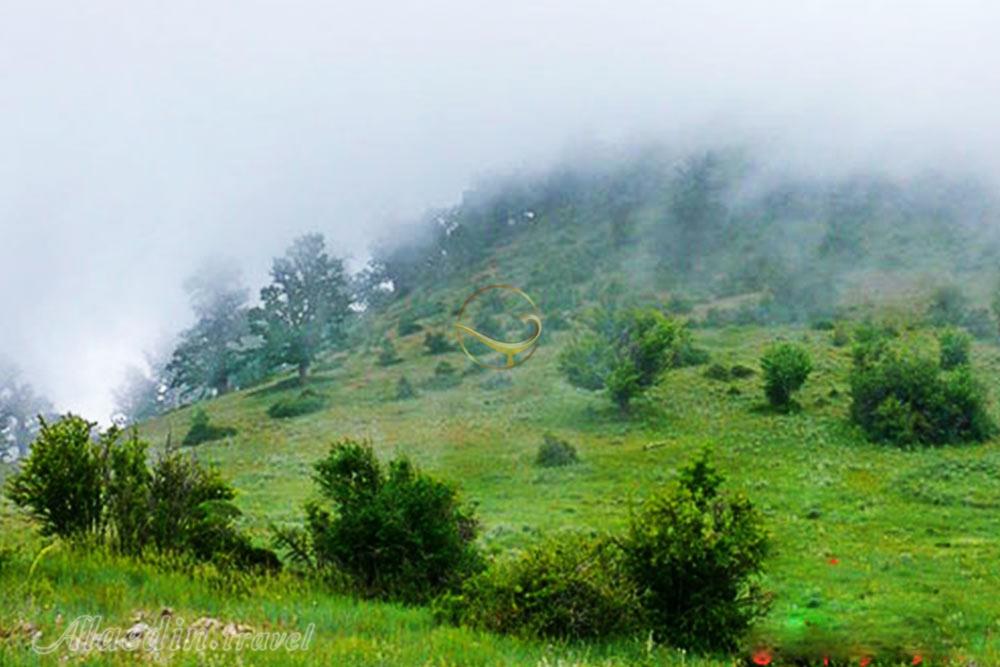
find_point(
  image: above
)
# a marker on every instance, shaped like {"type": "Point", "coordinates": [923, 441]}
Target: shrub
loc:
{"type": "Point", "coordinates": [436, 343]}
{"type": "Point", "coordinates": [718, 372]}
{"type": "Point", "coordinates": [191, 513]}
{"type": "Point", "coordinates": [906, 399]}
{"type": "Point", "coordinates": [396, 532]}
{"type": "Point", "coordinates": [387, 355]}
{"type": "Point", "coordinates": [568, 587]}
{"type": "Point", "coordinates": [404, 390]}
{"type": "Point", "coordinates": [625, 352]}
{"type": "Point", "coordinates": [60, 483]}
{"type": "Point", "coordinates": [304, 403]}
{"type": "Point", "coordinates": [202, 430]}
{"type": "Point", "coordinates": [445, 376]}
{"type": "Point", "coordinates": [112, 495]}
{"type": "Point", "coordinates": [947, 306]}
{"type": "Point", "coordinates": [980, 323]}
{"type": "Point", "coordinates": [841, 335]}
{"type": "Point", "coordinates": [741, 372]}
{"type": "Point", "coordinates": [554, 452]}
{"type": "Point", "coordinates": [695, 555]}
{"type": "Point", "coordinates": [407, 325]}
{"type": "Point", "coordinates": [955, 348]}
{"type": "Point", "coordinates": [786, 367]}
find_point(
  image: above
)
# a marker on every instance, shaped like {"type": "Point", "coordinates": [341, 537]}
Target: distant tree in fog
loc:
{"type": "Point", "coordinates": [305, 307]}
{"type": "Point", "coordinates": [20, 408]}
{"type": "Point", "coordinates": [211, 352]}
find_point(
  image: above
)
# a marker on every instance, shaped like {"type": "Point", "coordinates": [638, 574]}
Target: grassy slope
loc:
{"type": "Point", "coordinates": [914, 533]}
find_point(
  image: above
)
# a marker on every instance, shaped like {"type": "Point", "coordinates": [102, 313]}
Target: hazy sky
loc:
{"type": "Point", "coordinates": [138, 138]}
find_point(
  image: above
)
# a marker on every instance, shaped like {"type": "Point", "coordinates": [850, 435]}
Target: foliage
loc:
{"type": "Point", "coordinates": [60, 482]}
{"type": "Point", "coordinates": [955, 348]}
{"type": "Point", "coordinates": [554, 452]}
{"type": "Point", "coordinates": [408, 325]}
{"type": "Point", "coordinates": [305, 402]}
{"type": "Point", "coordinates": [202, 430]}
{"type": "Point", "coordinates": [948, 305]}
{"type": "Point", "coordinates": [841, 335]}
{"type": "Point", "coordinates": [624, 352]}
{"type": "Point", "coordinates": [78, 485]}
{"type": "Point", "coordinates": [572, 586]}
{"type": "Point", "coordinates": [695, 554]}
{"type": "Point", "coordinates": [437, 343]}
{"type": "Point", "coordinates": [404, 390]}
{"type": "Point", "coordinates": [395, 531]}
{"type": "Point", "coordinates": [907, 399]}
{"type": "Point", "coordinates": [388, 355]}
{"type": "Point", "coordinates": [305, 307]}
{"type": "Point", "coordinates": [786, 367]}
{"type": "Point", "coordinates": [718, 372]}
{"type": "Point", "coordinates": [20, 409]}
{"type": "Point", "coordinates": [210, 353]}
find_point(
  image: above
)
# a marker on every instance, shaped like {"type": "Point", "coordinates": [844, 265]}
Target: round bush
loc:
{"type": "Point", "coordinates": [786, 367]}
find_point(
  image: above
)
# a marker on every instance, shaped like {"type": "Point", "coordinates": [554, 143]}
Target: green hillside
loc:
{"type": "Point", "coordinates": [878, 550]}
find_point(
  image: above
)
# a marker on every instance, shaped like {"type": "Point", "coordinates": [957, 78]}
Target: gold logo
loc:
{"type": "Point", "coordinates": [491, 305]}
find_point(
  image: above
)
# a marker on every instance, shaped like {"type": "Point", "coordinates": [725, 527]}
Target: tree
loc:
{"type": "Point", "coordinates": [697, 208]}
{"type": "Point", "coordinates": [20, 409]}
{"type": "Point", "coordinates": [211, 352]}
{"type": "Point", "coordinates": [305, 307]}
{"type": "Point", "coordinates": [144, 393]}
{"type": "Point", "coordinates": [625, 353]}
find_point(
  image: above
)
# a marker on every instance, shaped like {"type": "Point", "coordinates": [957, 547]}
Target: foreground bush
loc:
{"type": "Point", "coordinates": [624, 353]}
{"type": "Point", "coordinates": [786, 367]}
{"type": "Point", "coordinates": [202, 430]}
{"type": "Point", "coordinates": [907, 399]}
{"type": "Point", "coordinates": [686, 570]}
{"type": "Point", "coordinates": [61, 481]}
{"type": "Point", "coordinates": [568, 587]}
{"type": "Point", "coordinates": [394, 531]}
{"type": "Point", "coordinates": [78, 485]}
{"type": "Point", "coordinates": [695, 556]}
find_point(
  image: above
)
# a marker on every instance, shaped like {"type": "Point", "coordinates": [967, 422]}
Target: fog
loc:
{"type": "Point", "coordinates": [138, 139]}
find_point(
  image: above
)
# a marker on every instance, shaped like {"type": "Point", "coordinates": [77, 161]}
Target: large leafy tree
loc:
{"type": "Point", "coordinates": [305, 307]}
{"type": "Point", "coordinates": [212, 351]}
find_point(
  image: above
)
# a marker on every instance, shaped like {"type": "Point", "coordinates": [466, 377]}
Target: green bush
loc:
{"type": "Point", "coordinates": [103, 488]}
{"type": "Point", "coordinates": [718, 372]}
{"type": "Point", "coordinates": [303, 403]}
{"type": "Point", "coordinates": [388, 355]}
{"type": "Point", "coordinates": [568, 587]}
{"type": "Point", "coordinates": [404, 390]}
{"type": "Point", "coordinates": [625, 352]}
{"type": "Point", "coordinates": [554, 452]}
{"type": "Point", "coordinates": [407, 325]}
{"type": "Point", "coordinates": [202, 430]}
{"type": "Point", "coordinates": [948, 305]}
{"type": "Point", "coordinates": [445, 377]}
{"type": "Point", "coordinates": [696, 555]}
{"type": "Point", "coordinates": [786, 367]}
{"type": "Point", "coordinates": [841, 335]}
{"type": "Point", "coordinates": [741, 372]}
{"type": "Point", "coordinates": [396, 532]}
{"type": "Point", "coordinates": [437, 343]}
{"type": "Point", "coordinates": [907, 399]}
{"type": "Point", "coordinates": [956, 346]}
{"type": "Point", "coordinates": [191, 512]}
{"type": "Point", "coordinates": [61, 481]}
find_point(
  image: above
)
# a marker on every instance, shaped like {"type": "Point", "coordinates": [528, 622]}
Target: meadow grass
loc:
{"type": "Point", "coordinates": [876, 549]}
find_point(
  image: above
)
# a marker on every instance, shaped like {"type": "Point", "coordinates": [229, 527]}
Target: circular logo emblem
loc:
{"type": "Point", "coordinates": [489, 318]}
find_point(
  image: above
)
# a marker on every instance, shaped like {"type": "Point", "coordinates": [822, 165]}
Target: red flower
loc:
{"type": "Point", "coordinates": [834, 561]}
{"type": "Point", "coordinates": [826, 661]}
{"type": "Point", "coordinates": [865, 661]}
{"type": "Point", "coordinates": [917, 660]}
{"type": "Point", "coordinates": [762, 658]}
